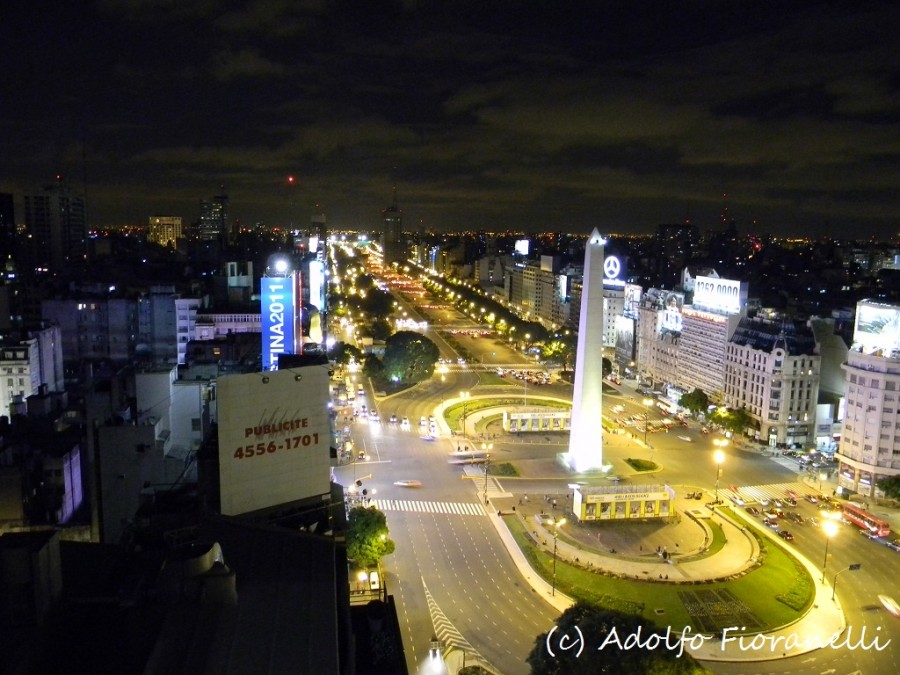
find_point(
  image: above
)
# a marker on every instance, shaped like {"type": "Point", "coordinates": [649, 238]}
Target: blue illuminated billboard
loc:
{"type": "Point", "coordinates": [277, 319]}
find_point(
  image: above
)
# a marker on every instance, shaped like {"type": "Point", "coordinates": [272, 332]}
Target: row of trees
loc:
{"type": "Point", "coordinates": [735, 420]}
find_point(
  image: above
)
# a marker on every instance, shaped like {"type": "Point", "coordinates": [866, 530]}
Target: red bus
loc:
{"type": "Point", "coordinates": [865, 520]}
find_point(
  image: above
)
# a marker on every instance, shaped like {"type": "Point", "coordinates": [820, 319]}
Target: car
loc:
{"type": "Point", "coordinates": [408, 483]}
{"type": "Point", "coordinates": [686, 439]}
{"type": "Point", "coordinates": [394, 419]}
{"type": "Point", "coordinates": [374, 581]}
{"type": "Point", "coordinates": [812, 499]}
{"type": "Point", "coordinates": [796, 517]}
{"type": "Point", "coordinates": [870, 535]}
{"type": "Point", "coordinates": [763, 502]}
{"type": "Point", "coordinates": [787, 536]}
{"type": "Point", "coordinates": [790, 501]}
{"type": "Point", "coordinates": [362, 455]}
{"type": "Point", "coordinates": [777, 503]}
{"type": "Point", "coordinates": [894, 545]}
{"type": "Point", "coordinates": [404, 422]}
{"type": "Point", "coordinates": [770, 523]}
{"type": "Point", "coordinates": [423, 422]}
{"type": "Point", "coordinates": [737, 500]}
{"type": "Point", "coordinates": [753, 511]}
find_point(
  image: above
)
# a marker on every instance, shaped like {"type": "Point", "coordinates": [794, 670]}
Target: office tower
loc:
{"type": "Point", "coordinates": [586, 435]}
{"type": "Point", "coordinates": [56, 220]}
{"type": "Point", "coordinates": [392, 240]}
{"type": "Point", "coordinates": [164, 230]}
{"type": "Point", "coordinates": [214, 217]}
{"type": "Point", "coordinates": [674, 247]}
{"type": "Point", "coordinates": [7, 228]}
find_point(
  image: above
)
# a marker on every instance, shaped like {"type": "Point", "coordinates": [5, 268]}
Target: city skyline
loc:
{"type": "Point", "coordinates": [506, 116]}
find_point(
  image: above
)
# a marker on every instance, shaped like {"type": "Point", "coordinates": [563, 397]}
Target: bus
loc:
{"type": "Point", "coordinates": [857, 515]}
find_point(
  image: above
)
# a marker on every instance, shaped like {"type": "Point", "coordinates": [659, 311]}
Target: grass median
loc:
{"type": "Point", "coordinates": [777, 592]}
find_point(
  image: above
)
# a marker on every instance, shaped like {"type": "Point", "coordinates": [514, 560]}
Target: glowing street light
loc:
{"type": "Point", "coordinates": [718, 458]}
{"type": "Point", "coordinates": [830, 527]}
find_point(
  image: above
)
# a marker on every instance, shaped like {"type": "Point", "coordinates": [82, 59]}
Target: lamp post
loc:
{"type": "Point", "coordinates": [718, 458]}
{"type": "Point", "coordinates": [830, 527]}
{"type": "Point", "coordinates": [647, 403]}
{"type": "Point", "coordinates": [486, 447]}
{"type": "Point", "coordinates": [556, 526]}
{"type": "Point", "coordinates": [465, 398]}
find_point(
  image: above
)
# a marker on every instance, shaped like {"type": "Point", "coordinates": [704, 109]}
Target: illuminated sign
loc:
{"type": "Point", "coordinates": [316, 284]}
{"type": "Point", "coordinates": [723, 295]}
{"type": "Point", "coordinates": [671, 320]}
{"type": "Point", "coordinates": [613, 271]}
{"type": "Point", "coordinates": [522, 246]}
{"type": "Point", "coordinates": [877, 327]}
{"type": "Point", "coordinates": [273, 438]}
{"type": "Point", "coordinates": [276, 319]}
{"type": "Point", "coordinates": [632, 301]}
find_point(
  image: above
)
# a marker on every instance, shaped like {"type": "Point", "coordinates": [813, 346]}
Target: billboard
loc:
{"type": "Point", "coordinates": [877, 327]}
{"type": "Point", "coordinates": [614, 272]}
{"type": "Point", "coordinates": [671, 320]}
{"type": "Point", "coordinates": [723, 295]}
{"type": "Point", "coordinates": [316, 283]}
{"type": "Point", "coordinates": [277, 319]}
{"type": "Point", "coordinates": [522, 246]}
{"type": "Point", "coordinates": [273, 438]}
{"type": "Point", "coordinates": [632, 301]}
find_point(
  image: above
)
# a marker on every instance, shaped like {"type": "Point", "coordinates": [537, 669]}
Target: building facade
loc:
{"type": "Point", "coordinates": [164, 230]}
{"type": "Point", "coordinates": [869, 446]}
{"type": "Point", "coordinates": [56, 221]}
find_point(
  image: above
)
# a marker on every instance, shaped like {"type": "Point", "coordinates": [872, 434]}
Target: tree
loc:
{"type": "Point", "coordinates": [367, 536]}
{"type": "Point", "coordinates": [734, 420]}
{"type": "Point", "coordinates": [609, 629]}
{"type": "Point", "coordinates": [891, 486]}
{"type": "Point", "coordinates": [696, 401]}
{"type": "Point", "coordinates": [409, 357]}
{"type": "Point", "coordinates": [344, 353]}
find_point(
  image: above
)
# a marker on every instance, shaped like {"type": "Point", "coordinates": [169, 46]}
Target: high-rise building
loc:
{"type": "Point", "coordinates": [214, 217]}
{"type": "Point", "coordinates": [56, 221]}
{"type": "Point", "coordinates": [869, 448]}
{"type": "Point", "coordinates": [393, 242]}
{"type": "Point", "coordinates": [7, 228]}
{"type": "Point", "coordinates": [164, 230]}
{"type": "Point", "coordinates": [674, 247]}
{"type": "Point", "coordinates": [772, 371]}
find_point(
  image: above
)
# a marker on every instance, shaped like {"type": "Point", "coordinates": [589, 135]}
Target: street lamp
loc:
{"type": "Point", "coordinates": [830, 527]}
{"type": "Point", "coordinates": [647, 403]}
{"type": "Point", "coordinates": [556, 526]}
{"type": "Point", "coordinates": [486, 448]}
{"type": "Point", "coordinates": [465, 397]}
{"type": "Point", "coordinates": [718, 458]}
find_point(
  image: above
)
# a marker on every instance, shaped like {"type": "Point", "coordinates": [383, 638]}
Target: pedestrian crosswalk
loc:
{"type": "Point", "coordinates": [751, 494]}
{"type": "Point", "coordinates": [447, 508]}
{"type": "Point", "coordinates": [492, 487]}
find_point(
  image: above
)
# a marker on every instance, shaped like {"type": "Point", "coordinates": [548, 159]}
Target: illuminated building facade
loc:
{"type": "Point", "coordinates": [870, 436]}
{"type": "Point", "coordinates": [164, 230]}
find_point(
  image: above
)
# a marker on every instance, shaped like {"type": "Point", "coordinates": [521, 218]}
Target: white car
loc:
{"type": "Point", "coordinates": [423, 422]}
{"type": "Point", "coordinates": [890, 604]}
{"type": "Point", "coordinates": [686, 439]}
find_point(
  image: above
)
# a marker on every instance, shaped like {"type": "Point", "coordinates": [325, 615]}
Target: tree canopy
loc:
{"type": "Point", "coordinates": [605, 648]}
{"type": "Point", "coordinates": [367, 536]}
{"type": "Point", "coordinates": [735, 420]}
{"type": "Point", "coordinates": [409, 357]}
{"type": "Point", "coordinates": [891, 486]}
{"type": "Point", "coordinates": [696, 401]}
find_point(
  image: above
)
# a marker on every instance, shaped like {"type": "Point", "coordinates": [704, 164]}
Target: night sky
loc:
{"type": "Point", "coordinates": [532, 115]}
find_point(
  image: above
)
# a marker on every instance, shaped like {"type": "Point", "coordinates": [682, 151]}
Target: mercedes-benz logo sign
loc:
{"type": "Point", "coordinates": [612, 267]}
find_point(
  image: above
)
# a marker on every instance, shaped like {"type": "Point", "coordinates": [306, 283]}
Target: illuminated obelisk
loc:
{"type": "Point", "coordinates": [586, 435]}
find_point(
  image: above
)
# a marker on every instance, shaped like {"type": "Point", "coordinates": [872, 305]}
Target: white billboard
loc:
{"type": "Point", "coordinates": [632, 300]}
{"type": "Point", "coordinates": [273, 438]}
{"type": "Point", "coordinates": [723, 295]}
{"type": "Point", "coordinates": [877, 327]}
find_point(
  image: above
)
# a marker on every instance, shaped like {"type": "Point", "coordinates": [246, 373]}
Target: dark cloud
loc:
{"type": "Point", "coordinates": [564, 115]}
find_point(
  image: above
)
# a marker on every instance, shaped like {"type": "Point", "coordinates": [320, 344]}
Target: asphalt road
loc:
{"type": "Point", "coordinates": [452, 575]}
